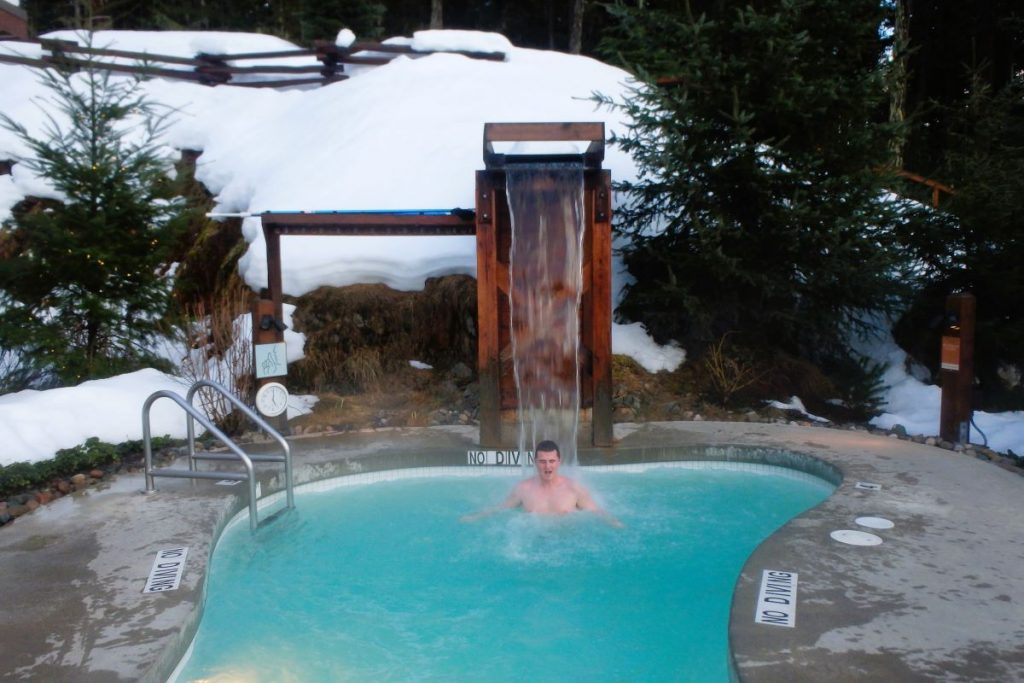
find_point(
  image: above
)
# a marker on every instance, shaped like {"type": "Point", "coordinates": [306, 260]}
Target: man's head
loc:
{"type": "Point", "coordinates": [547, 458]}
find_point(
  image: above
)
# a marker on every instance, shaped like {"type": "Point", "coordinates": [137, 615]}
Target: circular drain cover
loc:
{"type": "Point", "coordinates": [875, 522]}
{"type": "Point", "coordinates": [852, 537]}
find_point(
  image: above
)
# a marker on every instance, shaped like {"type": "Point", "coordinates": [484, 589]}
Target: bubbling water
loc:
{"type": "Point", "coordinates": [545, 288]}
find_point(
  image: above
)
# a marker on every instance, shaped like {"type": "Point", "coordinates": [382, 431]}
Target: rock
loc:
{"type": "Point", "coordinates": [79, 481]}
{"type": "Point", "coordinates": [5, 517]}
{"type": "Point", "coordinates": [63, 486]}
{"type": "Point", "coordinates": [1010, 466]}
{"type": "Point", "coordinates": [751, 416]}
{"type": "Point", "coordinates": [43, 497]}
{"type": "Point", "coordinates": [31, 504]}
{"type": "Point", "coordinates": [16, 511]}
{"type": "Point", "coordinates": [948, 445]}
{"type": "Point", "coordinates": [931, 441]}
{"type": "Point", "coordinates": [698, 418]}
{"type": "Point", "coordinates": [97, 473]}
{"type": "Point", "coordinates": [623, 414]}
{"type": "Point", "coordinates": [461, 374]}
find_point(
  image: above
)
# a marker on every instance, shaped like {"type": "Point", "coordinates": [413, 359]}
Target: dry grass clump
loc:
{"type": "Point", "coordinates": [358, 335]}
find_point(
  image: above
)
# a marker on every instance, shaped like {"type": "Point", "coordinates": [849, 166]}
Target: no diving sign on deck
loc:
{"type": "Point", "coordinates": [776, 603]}
{"type": "Point", "coordinates": [167, 570]}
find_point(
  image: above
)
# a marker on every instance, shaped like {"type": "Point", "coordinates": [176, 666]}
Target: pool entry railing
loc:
{"type": "Point", "coordinates": [195, 415]}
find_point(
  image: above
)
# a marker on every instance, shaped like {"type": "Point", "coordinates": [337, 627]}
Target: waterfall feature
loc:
{"type": "Point", "coordinates": [545, 288]}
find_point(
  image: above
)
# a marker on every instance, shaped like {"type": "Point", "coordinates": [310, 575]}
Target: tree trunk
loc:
{"type": "Point", "coordinates": [898, 78]}
{"type": "Point", "coordinates": [576, 27]}
{"type": "Point", "coordinates": [436, 14]}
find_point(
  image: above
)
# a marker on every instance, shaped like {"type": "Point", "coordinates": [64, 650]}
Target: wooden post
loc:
{"type": "Point", "coordinates": [272, 335]}
{"type": "Point", "coordinates": [488, 338]}
{"type": "Point", "coordinates": [601, 305]}
{"type": "Point", "coordinates": [957, 364]}
{"type": "Point", "coordinates": [272, 238]}
{"type": "Point", "coordinates": [274, 307]}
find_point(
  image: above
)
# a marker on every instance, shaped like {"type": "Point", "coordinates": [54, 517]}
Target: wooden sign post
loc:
{"type": "Point", "coordinates": [957, 369]}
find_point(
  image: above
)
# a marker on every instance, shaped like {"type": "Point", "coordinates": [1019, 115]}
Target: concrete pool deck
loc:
{"type": "Point", "coordinates": [938, 600]}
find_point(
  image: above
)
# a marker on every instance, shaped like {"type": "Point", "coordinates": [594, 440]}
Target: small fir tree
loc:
{"type": "Point", "coordinates": [84, 287]}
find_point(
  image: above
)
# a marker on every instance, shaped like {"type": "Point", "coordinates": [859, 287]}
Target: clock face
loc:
{"type": "Point", "coordinates": [272, 399]}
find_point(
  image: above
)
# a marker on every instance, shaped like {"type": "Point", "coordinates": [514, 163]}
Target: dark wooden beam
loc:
{"type": "Point", "coordinates": [601, 302]}
{"type": "Point", "coordinates": [590, 132]}
{"type": "Point", "coordinates": [457, 222]}
{"type": "Point", "coordinates": [487, 287]}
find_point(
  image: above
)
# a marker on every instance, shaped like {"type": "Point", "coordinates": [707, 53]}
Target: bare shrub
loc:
{"type": "Point", "coordinates": [218, 340]}
{"type": "Point", "coordinates": [729, 371]}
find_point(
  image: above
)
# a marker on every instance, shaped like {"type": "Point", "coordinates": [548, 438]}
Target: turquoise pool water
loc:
{"type": "Point", "coordinates": [381, 582]}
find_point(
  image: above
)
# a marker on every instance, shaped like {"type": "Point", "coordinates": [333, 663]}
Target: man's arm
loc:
{"type": "Point", "coordinates": [514, 500]}
{"type": "Point", "coordinates": [584, 501]}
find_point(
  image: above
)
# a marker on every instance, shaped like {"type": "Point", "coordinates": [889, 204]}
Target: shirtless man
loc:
{"type": "Point", "coordinates": [548, 493]}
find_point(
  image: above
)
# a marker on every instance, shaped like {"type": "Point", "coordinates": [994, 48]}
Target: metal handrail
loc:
{"type": "Point", "coordinates": [194, 413]}
{"type": "Point", "coordinates": [252, 415]}
{"type": "Point", "coordinates": [151, 473]}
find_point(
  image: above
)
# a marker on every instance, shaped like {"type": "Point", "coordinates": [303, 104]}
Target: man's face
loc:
{"type": "Point", "coordinates": [547, 463]}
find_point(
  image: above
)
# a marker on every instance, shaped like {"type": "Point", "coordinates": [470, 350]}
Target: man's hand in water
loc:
{"type": "Point", "coordinates": [613, 521]}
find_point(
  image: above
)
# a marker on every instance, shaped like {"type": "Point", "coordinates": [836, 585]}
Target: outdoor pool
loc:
{"type": "Point", "coordinates": [379, 581]}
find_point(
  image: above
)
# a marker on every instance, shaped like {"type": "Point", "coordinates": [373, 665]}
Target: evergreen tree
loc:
{"type": "Point", "coordinates": [760, 132]}
{"type": "Point", "coordinates": [83, 287]}
{"type": "Point", "coordinates": [981, 249]}
{"type": "Point", "coordinates": [322, 19]}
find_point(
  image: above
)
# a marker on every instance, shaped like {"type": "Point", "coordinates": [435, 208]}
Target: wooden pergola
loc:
{"type": "Point", "coordinates": [491, 224]}
{"type": "Point", "coordinates": [353, 224]}
{"type": "Point", "coordinates": [339, 223]}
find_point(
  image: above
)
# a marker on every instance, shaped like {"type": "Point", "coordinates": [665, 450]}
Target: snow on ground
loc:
{"type": "Point", "coordinates": [916, 405]}
{"type": "Point", "coordinates": [405, 136]}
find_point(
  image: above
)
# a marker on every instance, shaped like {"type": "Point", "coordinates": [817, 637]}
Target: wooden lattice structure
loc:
{"type": "Point", "coordinates": [219, 69]}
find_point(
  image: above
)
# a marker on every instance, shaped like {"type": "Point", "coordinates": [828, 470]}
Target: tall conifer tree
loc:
{"type": "Point", "coordinates": [761, 133]}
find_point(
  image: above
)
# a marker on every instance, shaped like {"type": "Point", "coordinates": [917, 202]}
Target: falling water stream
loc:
{"type": "Point", "coordinates": [545, 288]}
